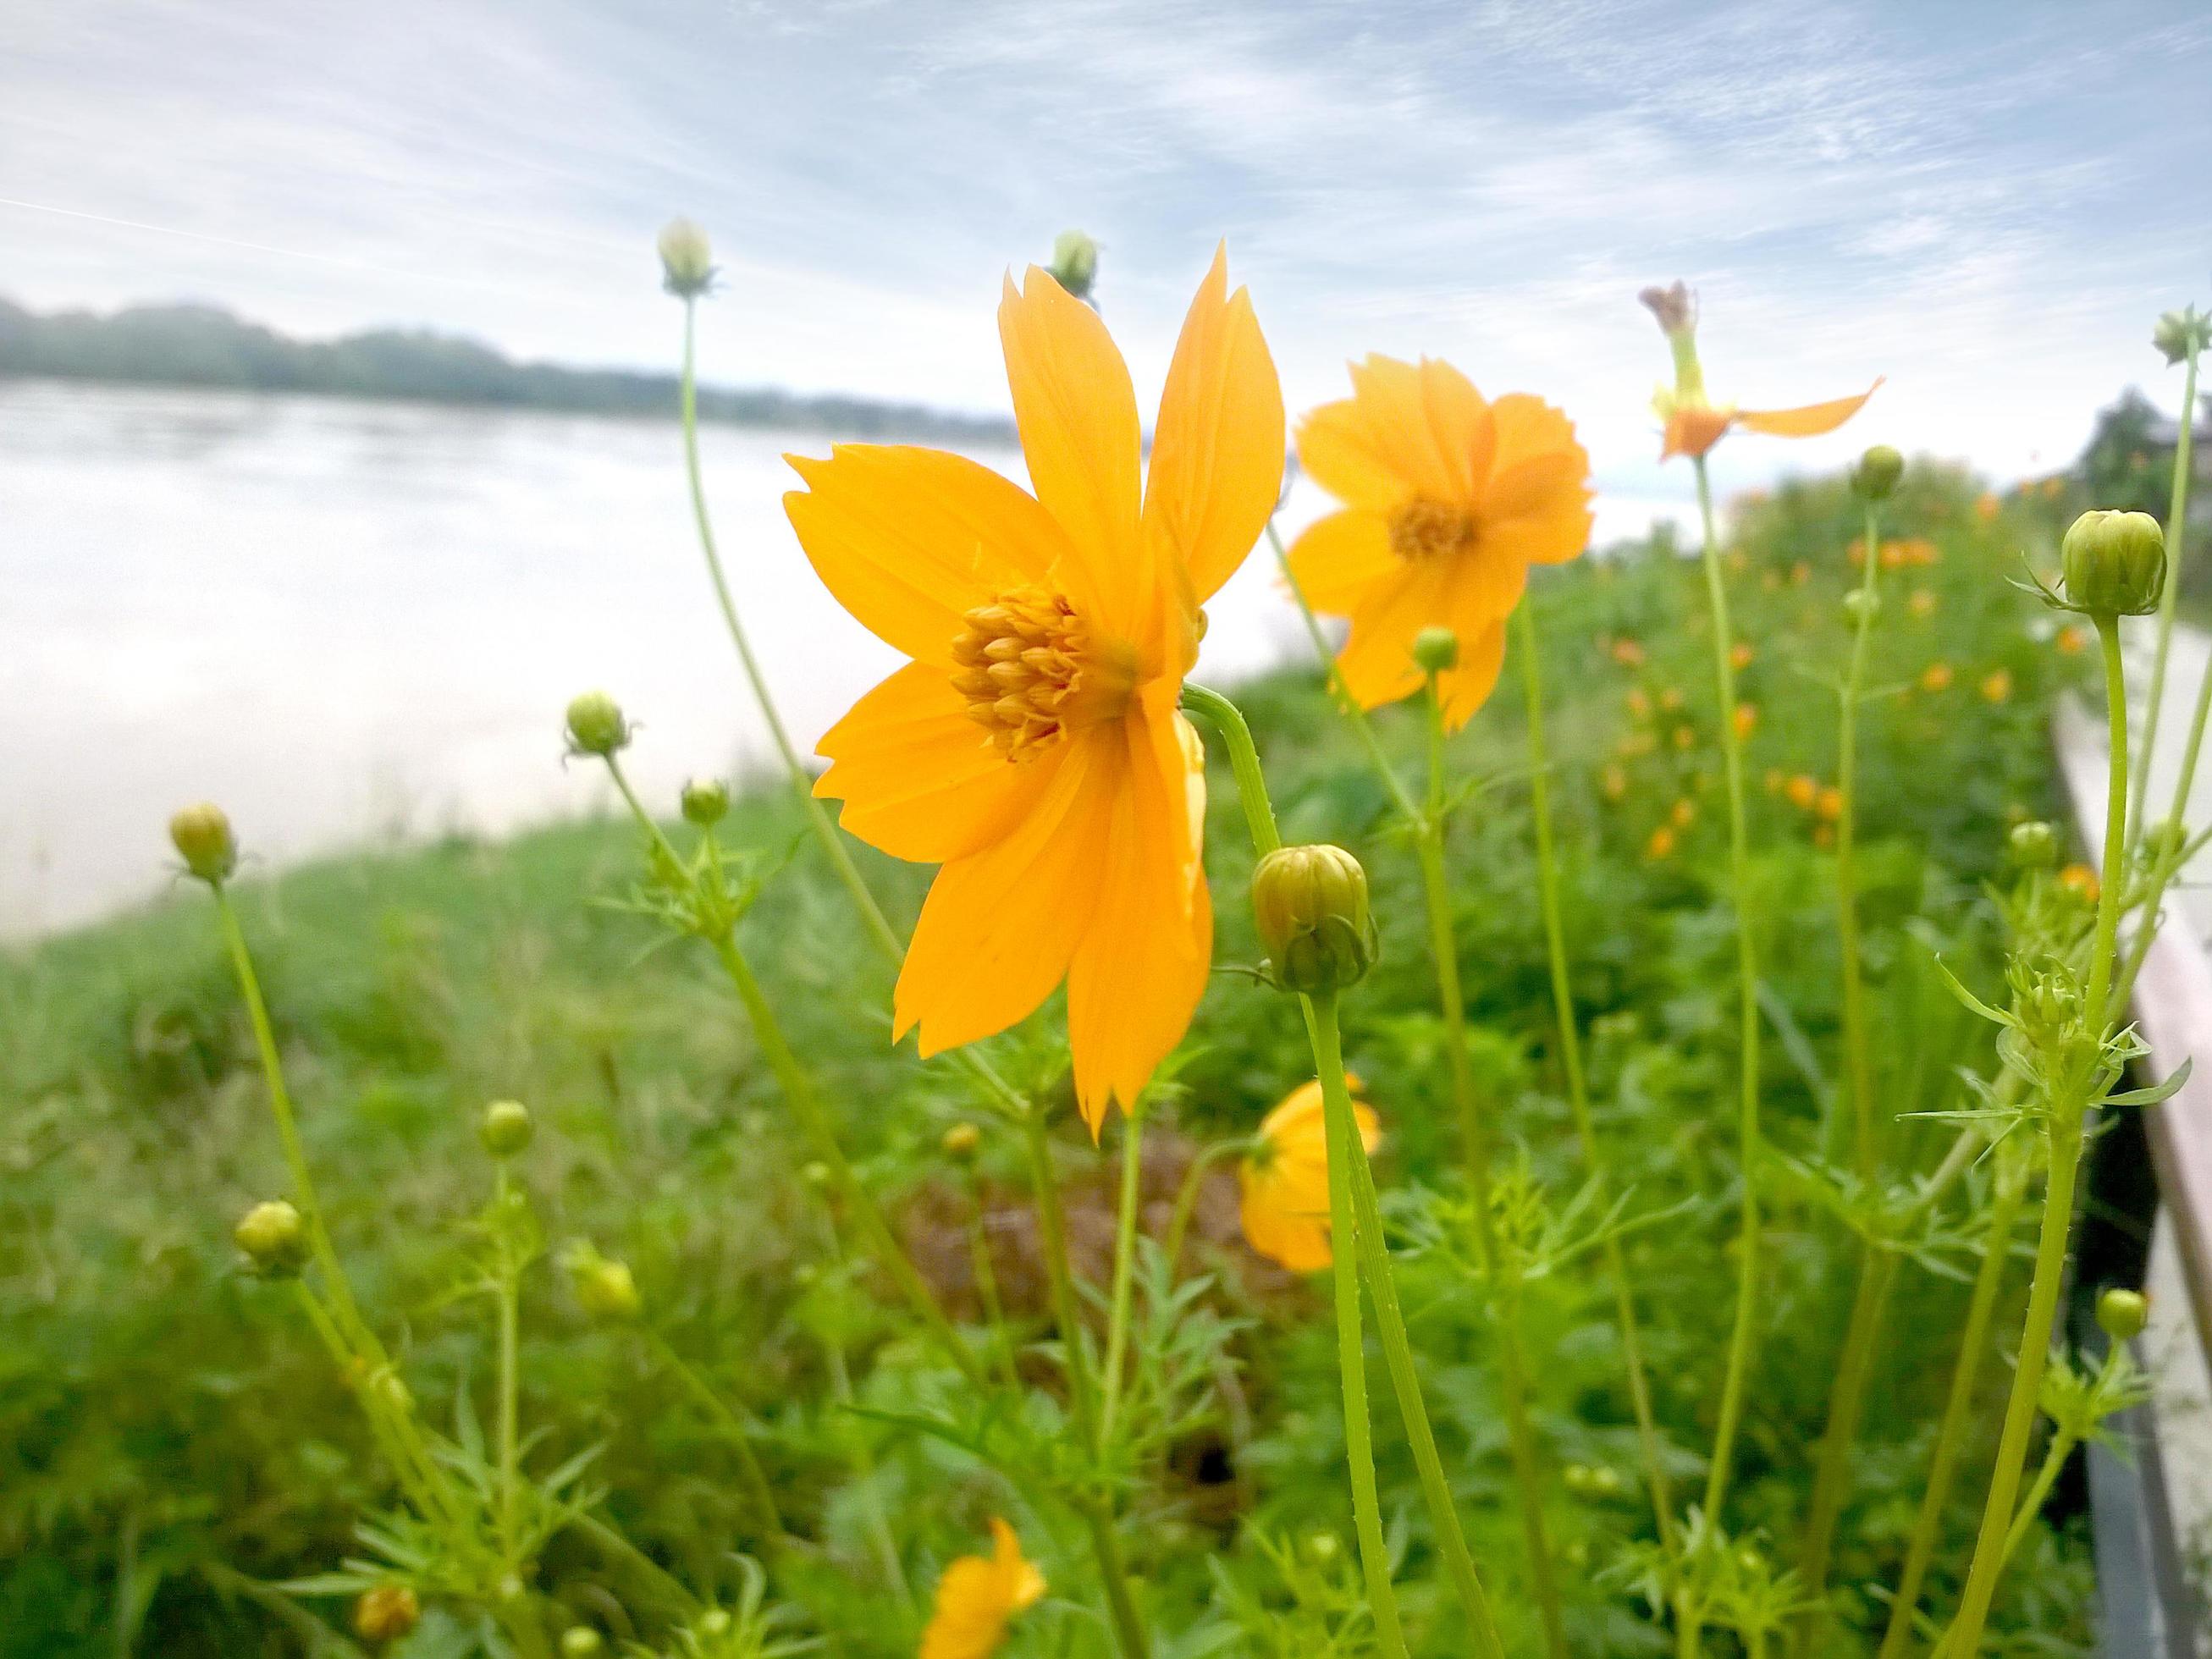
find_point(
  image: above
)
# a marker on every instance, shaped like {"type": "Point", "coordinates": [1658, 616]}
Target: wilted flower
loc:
{"type": "Point", "coordinates": [1284, 1180]}
{"type": "Point", "coordinates": [1695, 423]}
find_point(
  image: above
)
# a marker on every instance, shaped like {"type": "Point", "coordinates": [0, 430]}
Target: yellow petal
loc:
{"type": "Point", "coordinates": [1336, 560]}
{"type": "Point", "coordinates": [1141, 968]}
{"type": "Point", "coordinates": [1078, 418]}
{"type": "Point", "coordinates": [1393, 399]}
{"type": "Point", "coordinates": [1537, 501]}
{"type": "Point", "coordinates": [977, 1597]}
{"type": "Point", "coordinates": [1217, 466]}
{"type": "Point", "coordinates": [1000, 925]}
{"type": "Point", "coordinates": [1468, 687]}
{"type": "Point", "coordinates": [1298, 1242]}
{"type": "Point", "coordinates": [1461, 421]}
{"type": "Point", "coordinates": [1808, 421]}
{"type": "Point", "coordinates": [1376, 662]}
{"type": "Point", "coordinates": [1341, 455]}
{"type": "Point", "coordinates": [909, 538]}
{"type": "Point", "coordinates": [919, 779]}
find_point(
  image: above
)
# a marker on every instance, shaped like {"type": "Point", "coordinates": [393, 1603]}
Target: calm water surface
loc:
{"type": "Point", "coordinates": [352, 620]}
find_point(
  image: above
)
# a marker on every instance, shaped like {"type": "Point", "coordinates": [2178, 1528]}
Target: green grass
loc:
{"type": "Point", "coordinates": [171, 1435]}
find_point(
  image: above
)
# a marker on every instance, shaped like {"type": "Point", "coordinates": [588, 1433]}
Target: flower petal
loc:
{"type": "Point", "coordinates": [1340, 452]}
{"type": "Point", "coordinates": [1537, 501]}
{"type": "Point", "coordinates": [1392, 397]}
{"type": "Point", "coordinates": [919, 779]}
{"type": "Point", "coordinates": [1141, 966]}
{"type": "Point", "coordinates": [1468, 687]}
{"type": "Point", "coordinates": [1217, 466]}
{"type": "Point", "coordinates": [1461, 421]}
{"type": "Point", "coordinates": [909, 538]}
{"type": "Point", "coordinates": [1808, 420]}
{"type": "Point", "coordinates": [1338, 559]}
{"type": "Point", "coordinates": [1376, 663]}
{"type": "Point", "coordinates": [1000, 925]}
{"type": "Point", "coordinates": [1078, 418]}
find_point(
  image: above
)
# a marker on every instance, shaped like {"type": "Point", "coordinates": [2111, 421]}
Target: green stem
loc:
{"type": "Point", "coordinates": [735, 1429]}
{"type": "Point", "coordinates": [1125, 1253]}
{"type": "Point", "coordinates": [986, 1285]}
{"type": "Point", "coordinates": [1193, 1182]}
{"type": "Point", "coordinates": [2177, 521]}
{"type": "Point", "coordinates": [1570, 1057]}
{"type": "Point", "coordinates": [1502, 1269]}
{"type": "Point", "coordinates": [1343, 1135]}
{"type": "Point", "coordinates": [510, 1373]}
{"type": "Point", "coordinates": [2039, 1492]}
{"type": "Point", "coordinates": [1051, 1223]}
{"type": "Point", "coordinates": [1951, 1431]}
{"type": "Point", "coordinates": [1228, 720]}
{"type": "Point", "coordinates": [799, 1092]}
{"type": "Point", "coordinates": [2065, 1130]}
{"type": "Point", "coordinates": [871, 916]}
{"type": "Point", "coordinates": [1742, 1338]}
{"type": "Point", "coordinates": [1864, 1147]}
{"type": "Point", "coordinates": [1846, 1403]}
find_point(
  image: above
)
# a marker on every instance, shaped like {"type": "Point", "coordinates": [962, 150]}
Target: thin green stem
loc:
{"type": "Point", "coordinates": [1951, 1431]}
{"type": "Point", "coordinates": [2038, 1490]}
{"type": "Point", "coordinates": [1742, 1338]}
{"type": "Point", "coordinates": [1082, 1389]}
{"type": "Point", "coordinates": [1228, 720]}
{"type": "Point", "coordinates": [987, 1286]}
{"type": "Point", "coordinates": [735, 1429]}
{"type": "Point", "coordinates": [873, 919]}
{"type": "Point", "coordinates": [1570, 1059]}
{"type": "Point", "coordinates": [1343, 1136]}
{"type": "Point", "coordinates": [1863, 1131]}
{"type": "Point", "coordinates": [2177, 523]}
{"type": "Point", "coordinates": [1193, 1182]}
{"type": "Point", "coordinates": [504, 1290]}
{"type": "Point", "coordinates": [2064, 1129]}
{"type": "Point", "coordinates": [1125, 1253]}
{"type": "Point", "coordinates": [864, 1463]}
{"type": "Point", "coordinates": [1832, 1481]}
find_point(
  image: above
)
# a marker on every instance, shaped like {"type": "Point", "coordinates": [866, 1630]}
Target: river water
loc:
{"type": "Point", "coordinates": [347, 621]}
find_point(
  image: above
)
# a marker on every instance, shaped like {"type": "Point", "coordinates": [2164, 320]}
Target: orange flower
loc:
{"type": "Point", "coordinates": [1684, 737]}
{"type": "Point", "coordinates": [1802, 792]}
{"type": "Point", "coordinates": [978, 1596]}
{"type": "Point", "coordinates": [1685, 813]}
{"type": "Point", "coordinates": [1740, 654]}
{"type": "Point", "coordinates": [1937, 676]}
{"type": "Point", "coordinates": [1923, 603]}
{"type": "Point", "coordinates": [1997, 686]}
{"type": "Point", "coordinates": [1033, 747]}
{"type": "Point", "coordinates": [1693, 424]}
{"type": "Point", "coordinates": [1639, 704]}
{"type": "Point", "coordinates": [1855, 552]}
{"type": "Point", "coordinates": [1801, 572]}
{"type": "Point", "coordinates": [1746, 717]}
{"type": "Point", "coordinates": [2053, 488]}
{"type": "Point", "coordinates": [1894, 555]}
{"type": "Point", "coordinates": [2081, 879]}
{"type": "Point", "coordinates": [1829, 804]}
{"type": "Point", "coordinates": [1661, 844]}
{"type": "Point", "coordinates": [1449, 499]}
{"type": "Point", "coordinates": [2071, 640]}
{"type": "Point", "coordinates": [1987, 507]}
{"type": "Point", "coordinates": [1284, 1181]}
{"type": "Point", "coordinates": [1627, 653]}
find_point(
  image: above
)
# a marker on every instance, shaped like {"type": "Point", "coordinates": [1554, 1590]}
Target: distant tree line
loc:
{"type": "Point", "coordinates": [207, 346]}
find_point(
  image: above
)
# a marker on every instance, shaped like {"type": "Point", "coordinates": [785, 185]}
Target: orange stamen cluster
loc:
{"type": "Point", "coordinates": [1021, 658]}
{"type": "Point", "coordinates": [1424, 529]}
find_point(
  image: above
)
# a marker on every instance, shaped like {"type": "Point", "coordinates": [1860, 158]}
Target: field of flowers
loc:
{"type": "Point", "coordinates": [1559, 1135]}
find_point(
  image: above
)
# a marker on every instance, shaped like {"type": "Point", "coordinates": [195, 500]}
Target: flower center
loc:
{"type": "Point", "coordinates": [1425, 529]}
{"type": "Point", "coordinates": [1031, 671]}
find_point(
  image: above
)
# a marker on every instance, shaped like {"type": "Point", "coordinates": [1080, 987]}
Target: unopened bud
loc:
{"type": "Point", "coordinates": [2122, 1314]}
{"type": "Point", "coordinates": [715, 1622]}
{"type": "Point", "coordinates": [2114, 563]}
{"type": "Point", "coordinates": [706, 802]}
{"type": "Point", "coordinates": [1074, 263]}
{"type": "Point", "coordinates": [603, 1287]}
{"type": "Point", "coordinates": [816, 1174]}
{"type": "Point", "coordinates": [386, 1614]}
{"type": "Point", "coordinates": [596, 725]}
{"type": "Point", "coordinates": [2035, 844]}
{"type": "Point", "coordinates": [505, 1127]}
{"type": "Point", "coordinates": [1310, 903]}
{"type": "Point", "coordinates": [961, 1141]}
{"type": "Point", "coordinates": [1435, 650]}
{"type": "Point", "coordinates": [582, 1642]}
{"type": "Point", "coordinates": [2180, 332]}
{"type": "Point", "coordinates": [687, 267]}
{"type": "Point", "coordinates": [1858, 603]}
{"type": "Point", "coordinates": [201, 837]}
{"type": "Point", "coordinates": [1877, 473]}
{"type": "Point", "coordinates": [1323, 1547]}
{"type": "Point", "coordinates": [273, 1238]}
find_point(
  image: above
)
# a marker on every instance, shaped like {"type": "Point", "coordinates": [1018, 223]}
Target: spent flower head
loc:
{"type": "Point", "coordinates": [2182, 334]}
{"type": "Point", "coordinates": [1694, 423]}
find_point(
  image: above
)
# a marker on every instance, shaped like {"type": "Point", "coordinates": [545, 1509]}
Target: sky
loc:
{"type": "Point", "coordinates": [1989, 204]}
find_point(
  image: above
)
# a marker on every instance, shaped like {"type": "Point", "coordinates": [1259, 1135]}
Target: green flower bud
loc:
{"type": "Point", "coordinates": [1310, 903]}
{"type": "Point", "coordinates": [273, 1238]}
{"type": "Point", "coordinates": [1323, 1547]}
{"type": "Point", "coordinates": [201, 837]}
{"type": "Point", "coordinates": [386, 1614]}
{"type": "Point", "coordinates": [961, 1141]}
{"type": "Point", "coordinates": [2122, 1314]}
{"type": "Point", "coordinates": [1435, 650]}
{"type": "Point", "coordinates": [505, 1127]}
{"type": "Point", "coordinates": [603, 1287]}
{"type": "Point", "coordinates": [2114, 563]}
{"type": "Point", "coordinates": [582, 1642]}
{"type": "Point", "coordinates": [1857, 603]}
{"type": "Point", "coordinates": [2180, 332]}
{"type": "Point", "coordinates": [596, 725]}
{"type": "Point", "coordinates": [687, 268]}
{"type": "Point", "coordinates": [1074, 263]}
{"type": "Point", "coordinates": [816, 1174]}
{"type": "Point", "coordinates": [706, 802]}
{"type": "Point", "coordinates": [715, 1622]}
{"type": "Point", "coordinates": [1876, 475]}
{"type": "Point", "coordinates": [2035, 844]}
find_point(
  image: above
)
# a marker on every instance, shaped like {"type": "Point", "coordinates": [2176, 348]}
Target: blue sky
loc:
{"type": "Point", "coordinates": [1989, 204]}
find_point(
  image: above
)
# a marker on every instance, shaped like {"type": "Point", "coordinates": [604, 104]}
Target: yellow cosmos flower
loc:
{"type": "Point", "coordinates": [1662, 844]}
{"type": "Point", "coordinates": [978, 1596]}
{"type": "Point", "coordinates": [1937, 676]}
{"type": "Point", "coordinates": [1692, 422]}
{"type": "Point", "coordinates": [1286, 1180]}
{"type": "Point", "coordinates": [1032, 747]}
{"type": "Point", "coordinates": [1997, 687]}
{"type": "Point", "coordinates": [1449, 499]}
